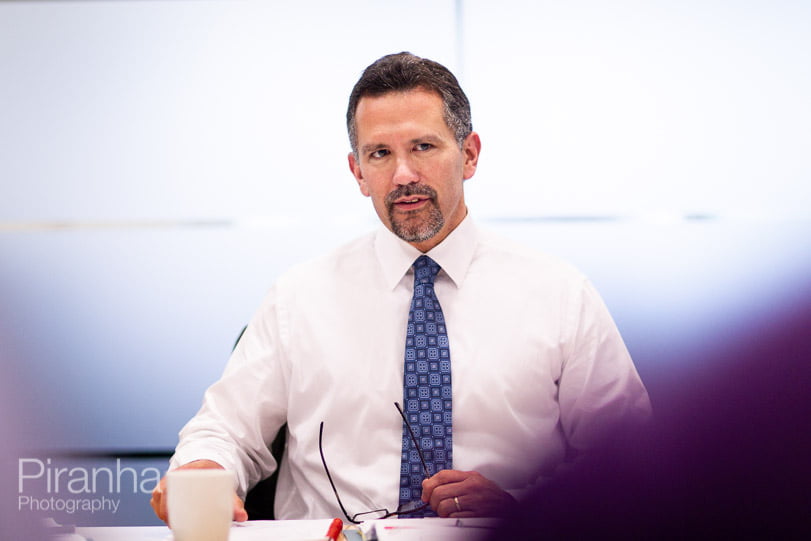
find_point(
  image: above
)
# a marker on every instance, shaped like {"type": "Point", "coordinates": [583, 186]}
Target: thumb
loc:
{"type": "Point", "coordinates": [240, 515]}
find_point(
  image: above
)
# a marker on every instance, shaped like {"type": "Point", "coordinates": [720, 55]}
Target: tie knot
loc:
{"type": "Point", "coordinates": [425, 270]}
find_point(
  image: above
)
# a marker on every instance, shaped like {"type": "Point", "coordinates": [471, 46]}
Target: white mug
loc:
{"type": "Point", "coordinates": [200, 504]}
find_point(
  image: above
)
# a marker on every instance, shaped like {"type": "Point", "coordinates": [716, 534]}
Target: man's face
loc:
{"type": "Point", "coordinates": [411, 166]}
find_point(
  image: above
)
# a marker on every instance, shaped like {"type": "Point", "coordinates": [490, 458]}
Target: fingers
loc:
{"type": "Point", "coordinates": [158, 500]}
{"type": "Point", "coordinates": [459, 494]}
{"type": "Point", "coordinates": [240, 515]}
{"type": "Point", "coordinates": [441, 478]}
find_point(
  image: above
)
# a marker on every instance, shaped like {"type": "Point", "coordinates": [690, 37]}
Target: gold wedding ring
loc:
{"type": "Point", "coordinates": [456, 501]}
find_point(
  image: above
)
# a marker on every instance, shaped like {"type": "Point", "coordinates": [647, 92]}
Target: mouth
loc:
{"type": "Point", "coordinates": [409, 203]}
{"type": "Point", "coordinates": [410, 198]}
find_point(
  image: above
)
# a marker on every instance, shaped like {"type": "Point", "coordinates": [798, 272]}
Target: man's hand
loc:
{"type": "Point", "coordinates": [158, 501]}
{"type": "Point", "coordinates": [460, 494]}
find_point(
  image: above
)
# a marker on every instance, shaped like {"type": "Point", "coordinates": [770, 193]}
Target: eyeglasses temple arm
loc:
{"type": "Point", "coordinates": [331, 482]}
{"type": "Point", "coordinates": [414, 439]}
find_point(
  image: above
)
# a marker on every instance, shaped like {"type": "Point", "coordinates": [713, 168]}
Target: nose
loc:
{"type": "Point", "coordinates": [405, 172]}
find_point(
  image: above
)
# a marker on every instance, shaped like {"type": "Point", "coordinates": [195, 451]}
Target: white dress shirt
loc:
{"type": "Point", "coordinates": [538, 367]}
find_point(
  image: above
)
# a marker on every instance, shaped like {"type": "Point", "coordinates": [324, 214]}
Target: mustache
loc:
{"type": "Point", "coordinates": [409, 190]}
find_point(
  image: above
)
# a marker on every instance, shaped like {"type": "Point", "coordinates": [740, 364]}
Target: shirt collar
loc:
{"type": "Point", "coordinates": [454, 254]}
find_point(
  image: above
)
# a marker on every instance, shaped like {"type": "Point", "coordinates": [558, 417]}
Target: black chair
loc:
{"type": "Point", "coordinates": [260, 499]}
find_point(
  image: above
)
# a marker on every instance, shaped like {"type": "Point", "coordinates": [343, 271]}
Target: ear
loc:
{"type": "Point", "coordinates": [471, 148]}
{"type": "Point", "coordinates": [354, 166]}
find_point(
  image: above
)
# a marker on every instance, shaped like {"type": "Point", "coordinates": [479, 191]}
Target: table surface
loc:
{"type": "Point", "coordinates": [427, 529]}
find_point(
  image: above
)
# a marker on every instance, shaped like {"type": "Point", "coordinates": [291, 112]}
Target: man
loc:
{"type": "Point", "coordinates": [511, 352]}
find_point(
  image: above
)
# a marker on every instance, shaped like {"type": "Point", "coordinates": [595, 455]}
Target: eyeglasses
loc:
{"type": "Point", "coordinates": [404, 509]}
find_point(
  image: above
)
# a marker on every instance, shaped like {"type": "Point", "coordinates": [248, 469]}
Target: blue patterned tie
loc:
{"type": "Point", "coordinates": [426, 387]}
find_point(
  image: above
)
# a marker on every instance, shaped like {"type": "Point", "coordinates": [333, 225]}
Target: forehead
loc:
{"type": "Point", "coordinates": [416, 109]}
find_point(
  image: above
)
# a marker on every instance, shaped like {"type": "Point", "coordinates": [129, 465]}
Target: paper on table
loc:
{"type": "Point", "coordinates": [433, 529]}
{"type": "Point", "coordinates": [124, 533]}
{"type": "Point", "coordinates": [259, 530]}
{"type": "Point", "coordinates": [280, 530]}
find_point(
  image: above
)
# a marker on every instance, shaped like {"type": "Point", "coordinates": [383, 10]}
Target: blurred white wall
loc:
{"type": "Point", "coordinates": [646, 109]}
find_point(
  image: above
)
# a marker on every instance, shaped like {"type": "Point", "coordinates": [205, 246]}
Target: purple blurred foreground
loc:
{"type": "Point", "coordinates": [728, 457]}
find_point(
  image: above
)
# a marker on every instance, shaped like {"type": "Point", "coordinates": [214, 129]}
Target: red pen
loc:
{"type": "Point", "coordinates": [334, 530]}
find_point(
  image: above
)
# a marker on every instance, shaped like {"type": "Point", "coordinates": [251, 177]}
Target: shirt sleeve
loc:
{"type": "Point", "coordinates": [243, 411]}
{"type": "Point", "coordinates": [599, 388]}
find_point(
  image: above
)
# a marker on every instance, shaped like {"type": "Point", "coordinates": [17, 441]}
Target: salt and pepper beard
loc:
{"type": "Point", "coordinates": [419, 230]}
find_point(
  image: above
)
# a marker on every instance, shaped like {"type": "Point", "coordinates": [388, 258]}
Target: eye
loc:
{"type": "Point", "coordinates": [423, 146]}
{"type": "Point", "coordinates": [379, 153]}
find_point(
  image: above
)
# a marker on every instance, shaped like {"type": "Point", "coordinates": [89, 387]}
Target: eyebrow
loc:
{"type": "Point", "coordinates": [427, 139]}
{"type": "Point", "coordinates": [433, 139]}
{"type": "Point", "coordinates": [366, 149]}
